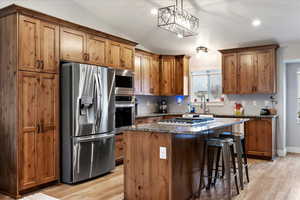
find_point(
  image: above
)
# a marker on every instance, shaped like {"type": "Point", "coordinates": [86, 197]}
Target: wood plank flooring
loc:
{"type": "Point", "coordinates": [277, 180]}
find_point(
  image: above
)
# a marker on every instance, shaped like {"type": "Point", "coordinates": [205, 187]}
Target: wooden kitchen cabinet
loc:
{"type": "Point", "coordinates": [249, 70]}
{"type": "Point", "coordinates": [39, 128]}
{"type": "Point", "coordinates": [260, 137]}
{"type": "Point", "coordinates": [96, 50]}
{"type": "Point", "coordinates": [146, 73]}
{"type": "Point", "coordinates": [119, 148]}
{"type": "Point", "coordinates": [167, 76]}
{"type": "Point", "coordinates": [39, 45]}
{"type": "Point", "coordinates": [229, 73]}
{"type": "Point", "coordinates": [114, 54]}
{"type": "Point", "coordinates": [174, 75]}
{"type": "Point", "coordinates": [127, 57]}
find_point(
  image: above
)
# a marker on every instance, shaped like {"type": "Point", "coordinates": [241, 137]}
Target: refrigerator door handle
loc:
{"type": "Point", "coordinates": [94, 138]}
{"type": "Point", "coordinates": [98, 98]}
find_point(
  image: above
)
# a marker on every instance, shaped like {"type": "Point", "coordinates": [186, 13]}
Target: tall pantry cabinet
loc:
{"type": "Point", "coordinates": [29, 103]}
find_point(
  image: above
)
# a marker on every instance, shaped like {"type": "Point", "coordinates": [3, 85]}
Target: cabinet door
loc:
{"type": "Point", "coordinates": [72, 45]}
{"type": "Point", "coordinates": [259, 137]}
{"type": "Point", "coordinates": [114, 55]}
{"type": "Point", "coordinates": [29, 43]}
{"type": "Point", "coordinates": [119, 147]}
{"type": "Point", "coordinates": [28, 104]}
{"type": "Point", "coordinates": [266, 72]}
{"type": "Point", "coordinates": [146, 75]}
{"type": "Point", "coordinates": [167, 72]}
{"type": "Point", "coordinates": [178, 76]}
{"type": "Point", "coordinates": [46, 139]}
{"type": "Point", "coordinates": [247, 72]}
{"type": "Point", "coordinates": [127, 57]}
{"type": "Point", "coordinates": [229, 73]}
{"type": "Point", "coordinates": [138, 74]}
{"type": "Point", "coordinates": [96, 50]}
{"type": "Point", "coordinates": [49, 47]}
{"type": "Point", "coordinates": [154, 76]}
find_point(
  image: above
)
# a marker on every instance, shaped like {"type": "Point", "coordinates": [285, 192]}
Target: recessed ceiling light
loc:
{"type": "Point", "coordinates": [179, 35]}
{"type": "Point", "coordinates": [154, 11]}
{"type": "Point", "coordinates": [256, 22]}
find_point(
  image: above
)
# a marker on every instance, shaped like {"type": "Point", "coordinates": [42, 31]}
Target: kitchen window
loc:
{"type": "Point", "coordinates": [207, 83]}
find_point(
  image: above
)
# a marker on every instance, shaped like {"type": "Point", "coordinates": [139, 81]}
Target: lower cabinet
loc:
{"type": "Point", "coordinates": [38, 108]}
{"type": "Point", "coordinates": [260, 137]}
{"type": "Point", "coordinates": [119, 148]}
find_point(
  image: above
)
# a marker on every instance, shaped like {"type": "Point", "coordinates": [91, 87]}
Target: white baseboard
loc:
{"type": "Point", "coordinates": [281, 152]}
{"type": "Point", "coordinates": [293, 149]}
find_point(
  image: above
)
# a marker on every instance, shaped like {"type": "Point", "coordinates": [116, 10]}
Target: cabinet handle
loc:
{"type": "Point", "coordinates": [38, 128]}
{"type": "Point", "coordinates": [84, 57]}
{"type": "Point", "coordinates": [38, 64]}
{"type": "Point", "coordinates": [42, 64]}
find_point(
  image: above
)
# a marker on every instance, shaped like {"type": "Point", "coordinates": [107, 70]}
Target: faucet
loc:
{"type": "Point", "coordinates": [203, 105]}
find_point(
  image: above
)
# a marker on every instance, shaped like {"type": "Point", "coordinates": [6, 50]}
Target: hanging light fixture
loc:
{"type": "Point", "coordinates": [177, 20]}
{"type": "Point", "coordinates": [201, 49]}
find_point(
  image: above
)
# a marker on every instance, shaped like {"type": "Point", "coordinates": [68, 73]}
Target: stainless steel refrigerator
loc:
{"type": "Point", "coordinates": [87, 121]}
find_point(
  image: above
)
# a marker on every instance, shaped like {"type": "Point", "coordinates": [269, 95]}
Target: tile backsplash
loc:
{"type": "Point", "coordinates": [252, 104]}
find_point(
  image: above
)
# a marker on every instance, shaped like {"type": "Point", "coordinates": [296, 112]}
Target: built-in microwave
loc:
{"type": "Point", "coordinates": [124, 80]}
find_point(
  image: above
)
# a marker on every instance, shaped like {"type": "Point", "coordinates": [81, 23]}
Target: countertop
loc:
{"type": "Point", "coordinates": [215, 115]}
{"type": "Point", "coordinates": [175, 129]}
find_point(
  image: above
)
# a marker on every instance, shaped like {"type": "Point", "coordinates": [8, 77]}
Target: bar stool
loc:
{"type": "Point", "coordinates": [240, 146]}
{"type": "Point", "coordinates": [226, 147]}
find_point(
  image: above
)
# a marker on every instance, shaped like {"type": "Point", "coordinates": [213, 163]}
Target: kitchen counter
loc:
{"type": "Point", "coordinates": [215, 115]}
{"type": "Point", "coordinates": [156, 115]}
{"type": "Point", "coordinates": [162, 161]}
{"type": "Point", "coordinates": [177, 129]}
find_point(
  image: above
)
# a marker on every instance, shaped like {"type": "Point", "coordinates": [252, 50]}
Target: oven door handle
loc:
{"type": "Point", "coordinates": [124, 105]}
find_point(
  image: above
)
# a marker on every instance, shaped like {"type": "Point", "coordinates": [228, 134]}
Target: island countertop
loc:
{"type": "Point", "coordinates": [179, 129]}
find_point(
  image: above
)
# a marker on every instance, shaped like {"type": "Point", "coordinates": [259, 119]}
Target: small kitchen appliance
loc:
{"type": "Point", "coordinates": [163, 107]}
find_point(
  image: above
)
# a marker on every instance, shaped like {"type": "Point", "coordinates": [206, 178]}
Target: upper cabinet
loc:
{"type": "Point", "coordinates": [249, 70]}
{"type": "Point", "coordinates": [78, 46]}
{"type": "Point", "coordinates": [146, 74]}
{"type": "Point", "coordinates": [174, 76]}
{"type": "Point", "coordinates": [39, 45]}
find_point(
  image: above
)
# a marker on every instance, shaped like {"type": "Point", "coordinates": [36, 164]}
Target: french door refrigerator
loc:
{"type": "Point", "coordinates": [87, 121]}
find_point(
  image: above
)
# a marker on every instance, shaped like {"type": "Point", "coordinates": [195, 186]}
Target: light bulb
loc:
{"type": "Point", "coordinates": [154, 11]}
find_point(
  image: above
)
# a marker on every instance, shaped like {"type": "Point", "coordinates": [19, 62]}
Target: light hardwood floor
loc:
{"type": "Point", "coordinates": [277, 180]}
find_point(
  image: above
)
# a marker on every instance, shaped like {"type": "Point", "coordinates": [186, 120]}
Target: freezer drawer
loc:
{"type": "Point", "coordinates": [93, 156]}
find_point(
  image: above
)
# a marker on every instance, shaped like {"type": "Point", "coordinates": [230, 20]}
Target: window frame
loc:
{"type": "Point", "coordinates": [206, 73]}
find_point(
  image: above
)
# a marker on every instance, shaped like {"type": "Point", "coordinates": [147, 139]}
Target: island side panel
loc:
{"type": "Point", "coordinates": [146, 175]}
{"type": "Point", "coordinates": [187, 154]}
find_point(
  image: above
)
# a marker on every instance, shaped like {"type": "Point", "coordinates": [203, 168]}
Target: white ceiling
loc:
{"type": "Point", "coordinates": [223, 23]}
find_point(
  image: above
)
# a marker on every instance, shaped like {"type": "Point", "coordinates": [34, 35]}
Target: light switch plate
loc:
{"type": "Point", "coordinates": [163, 153]}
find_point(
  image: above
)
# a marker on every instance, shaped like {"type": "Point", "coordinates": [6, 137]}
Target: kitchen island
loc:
{"type": "Point", "coordinates": [162, 162]}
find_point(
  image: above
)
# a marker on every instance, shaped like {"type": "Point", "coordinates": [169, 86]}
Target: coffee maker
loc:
{"type": "Point", "coordinates": [163, 107]}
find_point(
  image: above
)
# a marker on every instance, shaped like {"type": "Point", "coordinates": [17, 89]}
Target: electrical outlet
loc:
{"type": "Point", "coordinates": [163, 153]}
{"type": "Point", "coordinates": [254, 103]}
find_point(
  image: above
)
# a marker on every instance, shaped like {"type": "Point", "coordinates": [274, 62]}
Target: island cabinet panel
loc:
{"type": "Point", "coordinates": [72, 45]}
{"type": "Point", "coordinates": [96, 50]}
{"type": "Point", "coordinates": [119, 148]}
{"type": "Point", "coordinates": [229, 73]}
{"type": "Point", "coordinates": [260, 137]}
{"type": "Point", "coordinates": [150, 175]}
{"type": "Point", "coordinates": [147, 176]}
{"type": "Point", "coordinates": [249, 70]}
{"type": "Point", "coordinates": [39, 129]}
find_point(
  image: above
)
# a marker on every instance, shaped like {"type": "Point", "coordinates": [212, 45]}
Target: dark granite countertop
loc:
{"type": "Point", "coordinates": [156, 115]}
{"type": "Point", "coordinates": [215, 115]}
{"type": "Point", "coordinates": [177, 129]}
